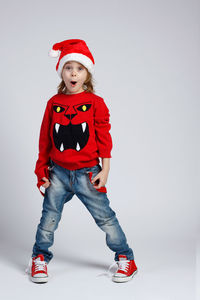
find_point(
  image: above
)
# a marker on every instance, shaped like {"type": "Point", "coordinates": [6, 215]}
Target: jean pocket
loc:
{"type": "Point", "coordinates": [91, 173]}
{"type": "Point", "coordinates": [51, 166]}
{"type": "Point", "coordinates": [94, 169]}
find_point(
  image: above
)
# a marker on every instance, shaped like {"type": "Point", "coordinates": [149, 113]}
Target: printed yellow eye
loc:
{"type": "Point", "coordinates": [58, 109]}
{"type": "Point", "coordinates": [84, 107]}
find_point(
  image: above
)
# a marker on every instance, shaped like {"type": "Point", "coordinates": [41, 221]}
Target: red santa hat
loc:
{"type": "Point", "coordinates": [73, 49]}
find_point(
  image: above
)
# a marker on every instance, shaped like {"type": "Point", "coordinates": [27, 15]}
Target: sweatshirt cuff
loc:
{"type": "Point", "coordinates": [40, 187]}
{"type": "Point", "coordinates": [43, 173]}
{"type": "Point", "coordinates": [105, 155]}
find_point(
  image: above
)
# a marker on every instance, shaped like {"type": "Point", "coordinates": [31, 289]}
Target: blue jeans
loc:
{"type": "Point", "coordinates": [64, 184]}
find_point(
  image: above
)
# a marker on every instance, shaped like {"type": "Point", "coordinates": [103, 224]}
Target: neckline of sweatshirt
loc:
{"type": "Point", "coordinates": [77, 95]}
{"type": "Point", "coordinates": [73, 97]}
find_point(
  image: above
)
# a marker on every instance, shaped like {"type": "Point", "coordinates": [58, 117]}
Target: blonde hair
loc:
{"type": "Point", "coordinates": [88, 84]}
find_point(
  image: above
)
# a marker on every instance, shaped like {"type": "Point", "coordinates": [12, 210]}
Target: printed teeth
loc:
{"type": "Point", "coordinates": [62, 147]}
{"type": "Point", "coordinates": [78, 146]}
{"type": "Point", "coordinates": [57, 126]}
{"type": "Point", "coordinates": [83, 126]}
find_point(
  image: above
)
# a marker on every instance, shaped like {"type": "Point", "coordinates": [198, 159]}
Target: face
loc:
{"type": "Point", "coordinates": [74, 75]}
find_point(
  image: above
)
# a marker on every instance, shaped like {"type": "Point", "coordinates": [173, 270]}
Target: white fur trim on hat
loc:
{"type": "Point", "coordinates": [54, 53]}
{"type": "Point", "coordinates": [83, 59]}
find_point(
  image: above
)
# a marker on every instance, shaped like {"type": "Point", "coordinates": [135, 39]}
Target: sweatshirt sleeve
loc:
{"type": "Point", "coordinates": [102, 127]}
{"type": "Point", "coordinates": [42, 164]}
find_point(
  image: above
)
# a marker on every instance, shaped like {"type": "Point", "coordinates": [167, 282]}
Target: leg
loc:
{"type": "Point", "coordinates": [56, 195]}
{"type": "Point", "coordinates": [97, 204]}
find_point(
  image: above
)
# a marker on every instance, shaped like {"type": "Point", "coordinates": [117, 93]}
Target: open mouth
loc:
{"type": "Point", "coordinates": [73, 83]}
{"type": "Point", "coordinates": [71, 136]}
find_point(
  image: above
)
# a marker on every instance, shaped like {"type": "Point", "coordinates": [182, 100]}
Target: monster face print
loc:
{"type": "Point", "coordinates": [70, 127]}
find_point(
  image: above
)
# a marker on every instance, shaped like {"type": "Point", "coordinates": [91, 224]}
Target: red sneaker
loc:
{"type": "Point", "coordinates": [38, 269]}
{"type": "Point", "coordinates": [126, 269]}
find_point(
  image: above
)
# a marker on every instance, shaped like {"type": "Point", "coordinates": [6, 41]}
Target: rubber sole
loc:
{"type": "Point", "coordinates": [39, 279]}
{"type": "Point", "coordinates": [123, 279]}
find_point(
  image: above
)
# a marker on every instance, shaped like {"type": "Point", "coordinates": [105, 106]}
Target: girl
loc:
{"type": "Point", "coordinates": [74, 134]}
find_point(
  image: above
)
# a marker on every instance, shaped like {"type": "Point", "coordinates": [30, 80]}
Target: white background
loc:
{"type": "Point", "coordinates": [147, 70]}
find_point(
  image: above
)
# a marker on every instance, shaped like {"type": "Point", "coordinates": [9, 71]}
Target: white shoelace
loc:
{"type": "Point", "coordinates": [122, 265]}
{"type": "Point", "coordinates": [39, 265]}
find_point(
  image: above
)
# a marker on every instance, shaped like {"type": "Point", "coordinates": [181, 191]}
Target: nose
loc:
{"type": "Point", "coordinates": [73, 72]}
{"type": "Point", "coordinates": [70, 116]}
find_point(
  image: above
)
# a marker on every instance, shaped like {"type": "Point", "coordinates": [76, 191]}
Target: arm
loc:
{"type": "Point", "coordinates": [105, 164]}
{"type": "Point", "coordinates": [102, 127]}
{"type": "Point", "coordinates": [104, 141]}
{"type": "Point", "coordinates": [42, 164]}
{"type": "Point", "coordinates": [102, 175]}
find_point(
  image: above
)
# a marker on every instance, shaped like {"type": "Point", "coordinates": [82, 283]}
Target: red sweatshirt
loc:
{"type": "Point", "coordinates": [74, 133]}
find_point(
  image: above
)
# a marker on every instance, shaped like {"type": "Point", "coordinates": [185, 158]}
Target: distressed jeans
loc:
{"type": "Point", "coordinates": [64, 184]}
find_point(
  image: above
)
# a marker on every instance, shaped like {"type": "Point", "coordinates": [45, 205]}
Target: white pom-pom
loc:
{"type": "Point", "coordinates": [54, 53]}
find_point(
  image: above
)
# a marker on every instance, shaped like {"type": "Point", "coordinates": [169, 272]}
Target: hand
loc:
{"type": "Point", "coordinates": [47, 182]}
{"type": "Point", "coordinates": [102, 176]}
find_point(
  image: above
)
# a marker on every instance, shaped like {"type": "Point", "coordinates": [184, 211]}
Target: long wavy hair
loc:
{"type": "Point", "coordinates": [88, 85]}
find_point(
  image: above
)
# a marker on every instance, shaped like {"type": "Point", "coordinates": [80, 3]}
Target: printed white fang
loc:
{"type": "Point", "coordinates": [62, 147]}
{"type": "Point", "coordinates": [83, 126]}
{"type": "Point", "coordinates": [78, 146]}
{"type": "Point", "coordinates": [57, 126]}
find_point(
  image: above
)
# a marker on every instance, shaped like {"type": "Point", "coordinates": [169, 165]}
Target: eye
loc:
{"type": "Point", "coordinates": [58, 109]}
{"type": "Point", "coordinates": [84, 107]}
